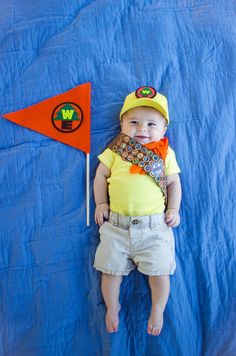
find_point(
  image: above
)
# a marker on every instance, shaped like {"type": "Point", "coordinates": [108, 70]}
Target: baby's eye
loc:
{"type": "Point", "coordinates": [133, 122]}
{"type": "Point", "coordinates": [151, 124]}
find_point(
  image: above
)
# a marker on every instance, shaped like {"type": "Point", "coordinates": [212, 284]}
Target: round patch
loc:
{"type": "Point", "coordinates": [149, 153]}
{"type": "Point", "coordinates": [135, 160]}
{"type": "Point", "coordinates": [146, 158]}
{"type": "Point", "coordinates": [157, 165]}
{"type": "Point", "coordinates": [126, 139]}
{"type": "Point", "coordinates": [140, 155]}
{"type": "Point", "coordinates": [125, 154]}
{"type": "Point", "coordinates": [67, 117]}
{"type": "Point", "coordinates": [138, 146]}
{"type": "Point", "coordinates": [145, 92]}
{"type": "Point", "coordinates": [123, 145]}
{"type": "Point", "coordinates": [115, 148]}
{"type": "Point", "coordinates": [155, 158]}
{"type": "Point", "coordinates": [132, 142]}
{"type": "Point", "coordinates": [119, 151]}
{"type": "Point", "coordinates": [144, 149]}
{"type": "Point", "coordinates": [147, 168]}
{"type": "Point", "coordinates": [141, 164]}
{"type": "Point", "coordinates": [156, 172]}
{"type": "Point", "coordinates": [129, 149]}
{"type": "Point", "coordinates": [130, 157]}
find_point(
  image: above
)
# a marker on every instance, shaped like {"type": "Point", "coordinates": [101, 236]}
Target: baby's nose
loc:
{"type": "Point", "coordinates": [142, 127]}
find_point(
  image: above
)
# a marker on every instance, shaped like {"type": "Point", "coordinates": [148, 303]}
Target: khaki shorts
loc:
{"type": "Point", "coordinates": [127, 242]}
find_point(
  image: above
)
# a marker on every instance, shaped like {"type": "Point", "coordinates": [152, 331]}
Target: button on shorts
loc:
{"type": "Point", "coordinates": [127, 242]}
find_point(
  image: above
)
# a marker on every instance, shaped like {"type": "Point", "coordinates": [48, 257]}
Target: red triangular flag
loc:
{"type": "Point", "coordinates": [64, 117]}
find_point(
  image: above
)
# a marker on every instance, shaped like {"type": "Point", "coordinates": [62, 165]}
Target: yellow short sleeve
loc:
{"type": "Point", "coordinates": [171, 165]}
{"type": "Point", "coordinates": [107, 157]}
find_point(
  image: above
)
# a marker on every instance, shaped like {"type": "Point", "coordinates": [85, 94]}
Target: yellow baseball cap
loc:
{"type": "Point", "coordinates": [146, 96]}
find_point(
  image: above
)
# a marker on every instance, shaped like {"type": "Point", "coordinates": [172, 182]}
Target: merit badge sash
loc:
{"type": "Point", "coordinates": [136, 153]}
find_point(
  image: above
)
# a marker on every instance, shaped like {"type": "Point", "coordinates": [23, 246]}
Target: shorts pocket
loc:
{"type": "Point", "coordinates": [161, 227]}
{"type": "Point", "coordinates": [101, 229]}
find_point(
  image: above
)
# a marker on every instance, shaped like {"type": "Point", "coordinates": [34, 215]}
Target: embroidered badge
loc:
{"type": "Point", "coordinates": [67, 117]}
{"type": "Point", "coordinates": [145, 92]}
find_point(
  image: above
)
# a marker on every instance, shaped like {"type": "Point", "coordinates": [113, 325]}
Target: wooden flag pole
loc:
{"type": "Point", "coordinates": [87, 189]}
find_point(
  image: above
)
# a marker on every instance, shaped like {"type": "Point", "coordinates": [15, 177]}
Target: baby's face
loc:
{"type": "Point", "coordinates": [144, 124]}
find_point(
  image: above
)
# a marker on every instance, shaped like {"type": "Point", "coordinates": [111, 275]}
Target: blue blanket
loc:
{"type": "Point", "coordinates": [51, 303]}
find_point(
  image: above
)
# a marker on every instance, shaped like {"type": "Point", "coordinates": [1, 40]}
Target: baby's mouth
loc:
{"type": "Point", "coordinates": [141, 138]}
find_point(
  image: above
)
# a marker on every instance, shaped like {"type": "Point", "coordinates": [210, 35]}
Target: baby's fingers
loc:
{"type": "Point", "coordinates": [168, 217]}
{"type": "Point", "coordinates": [100, 218]}
{"type": "Point", "coordinates": [173, 222]}
{"type": "Point", "coordinates": [171, 219]}
{"type": "Point", "coordinates": [176, 221]}
{"type": "Point", "coordinates": [106, 214]}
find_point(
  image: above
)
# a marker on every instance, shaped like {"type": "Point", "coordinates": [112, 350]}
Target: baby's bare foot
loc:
{"type": "Point", "coordinates": [112, 319]}
{"type": "Point", "coordinates": [155, 321]}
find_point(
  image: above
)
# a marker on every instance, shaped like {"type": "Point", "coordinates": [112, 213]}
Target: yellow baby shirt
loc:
{"type": "Point", "coordinates": [135, 194]}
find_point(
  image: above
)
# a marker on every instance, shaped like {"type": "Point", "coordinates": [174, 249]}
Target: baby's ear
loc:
{"type": "Point", "coordinates": [164, 130]}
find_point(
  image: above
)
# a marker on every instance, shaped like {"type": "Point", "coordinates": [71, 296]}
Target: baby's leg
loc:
{"type": "Point", "coordinates": [160, 288]}
{"type": "Point", "coordinates": [110, 292]}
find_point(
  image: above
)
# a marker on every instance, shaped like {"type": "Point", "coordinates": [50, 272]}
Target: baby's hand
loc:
{"type": "Point", "coordinates": [101, 213]}
{"type": "Point", "coordinates": [172, 217]}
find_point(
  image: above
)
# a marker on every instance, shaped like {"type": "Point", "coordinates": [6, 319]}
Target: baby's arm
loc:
{"type": "Point", "coordinates": [172, 217]}
{"type": "Point", "coordinates": [100, 193]}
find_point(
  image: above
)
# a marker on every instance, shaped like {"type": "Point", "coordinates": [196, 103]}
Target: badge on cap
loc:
{"type": "Point", "coordinates": [145, 92]}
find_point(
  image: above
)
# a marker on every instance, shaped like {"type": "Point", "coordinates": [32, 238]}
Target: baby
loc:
{"type": "Point", "coordinates": [138, 193]}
